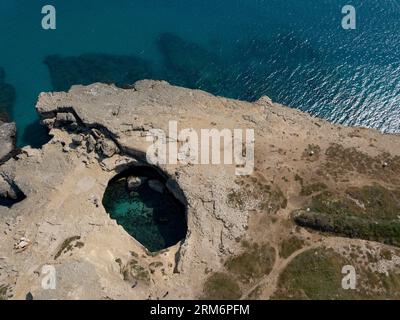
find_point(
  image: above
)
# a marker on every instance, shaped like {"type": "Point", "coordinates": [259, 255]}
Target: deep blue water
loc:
{"type": "Point", "coordinates": [294, 51]}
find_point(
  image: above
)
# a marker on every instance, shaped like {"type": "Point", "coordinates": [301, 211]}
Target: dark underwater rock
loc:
{"type": "Point", "coordinates": [7, 97]}
{"type": "Point", "coordinates": [90, 68]}
{"type": "Point", "coordinates": [35, 134]}
{"type": "Point", "coordinates": [190, 65]}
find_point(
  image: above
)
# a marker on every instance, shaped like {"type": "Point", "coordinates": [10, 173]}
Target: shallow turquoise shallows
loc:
{"type": "Point", "coordinates": [156, 220]}
{"type": "Point", "coordinates": [294, 51]}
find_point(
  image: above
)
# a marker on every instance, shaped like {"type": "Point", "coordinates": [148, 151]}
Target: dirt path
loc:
{"type": "Point", "coordinates": [269, 282]}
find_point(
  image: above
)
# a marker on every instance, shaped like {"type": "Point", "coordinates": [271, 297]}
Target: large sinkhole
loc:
{"type": "Point", "coordinates": [139, 201]}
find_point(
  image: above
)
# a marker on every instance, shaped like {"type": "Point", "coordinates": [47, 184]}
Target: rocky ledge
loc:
{"type": "Point", "coordinates": [267, 235]}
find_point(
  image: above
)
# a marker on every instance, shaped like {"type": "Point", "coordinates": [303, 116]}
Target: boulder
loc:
{"type": "Point", "coordinates": [7, 140]}
{"type": "Point", "coordinates": [91, 143]}
{"type": "Point", "coordinates": [6, 190]}
{"type": "Point", "coordinates": [65, 117]}
{"type": "Point", "coordinates": [133, 183]}
{"type": "Point", "coordinates": [22, 244]}
{"type": "Point", "coordinates": [77, 139]}
{"type": "Point", "coordinates": [108, 147]}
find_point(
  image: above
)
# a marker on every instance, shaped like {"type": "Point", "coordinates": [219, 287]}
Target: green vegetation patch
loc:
{"type": "Point", "coordinates": [155, 265]}
{"type": "Point", "coordinates": [314, 274]}
{"type": "Point", "coordinates": [386, 254]}
{"type": "Point", "coordinates": [369, 201]}
{"type": "Point", "coordinates": [133, 271]}
{"type": "Point", "coordinates": [221, 286]}
{"type": "Point", "coordinates": [308, 190]}
{"type": "Point", "coordinates": [369, 213]}
{"type": "Point", "coordinates": [377, 201]}
{"type": "Point", "coordinates": [289, 246]}
{"type": "Point", "coordinates": [390, 285]}
{"type": "Point", "coordinates": [341, 160]}
{"type": "Point", "coordinates": [387, 232]}
{"type": "Point", "coordinates": [257, 261]}
{"type": "Point", "coordinates": [3, 292]}
{"type": "Point", "coordinates": [67, 245]}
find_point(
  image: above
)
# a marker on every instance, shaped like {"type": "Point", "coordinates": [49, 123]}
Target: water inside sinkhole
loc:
{"type": "Point", "coordinates": [156, 220]}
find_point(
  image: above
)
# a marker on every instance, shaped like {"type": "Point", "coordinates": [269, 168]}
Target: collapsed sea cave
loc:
{"type": "Point", "coordinates": [138, 199]}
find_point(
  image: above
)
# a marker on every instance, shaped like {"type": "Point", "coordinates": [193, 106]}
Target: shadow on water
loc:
{"type": "Point", "coordinates": [190, 65]}
{"type": "Point", "coordinates": [35, 135]}
{"type": "Point", "coordinates": [90, 68]}
{"type": "Point", "coordinates": [156, 220]}
{"type": "Point", "coordinates": [7, 97]}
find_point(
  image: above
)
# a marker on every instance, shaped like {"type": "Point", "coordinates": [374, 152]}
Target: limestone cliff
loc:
{"type": "Point", "coordinates": [245, 233]}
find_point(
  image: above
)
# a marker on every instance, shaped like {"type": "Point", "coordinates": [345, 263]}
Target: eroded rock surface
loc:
{"type": "Point", "coordinates": [89, 68]}
{"type": "Point", "coordinates": [7, 140]}
{"type": "Point", "coordinates": [241, 232]}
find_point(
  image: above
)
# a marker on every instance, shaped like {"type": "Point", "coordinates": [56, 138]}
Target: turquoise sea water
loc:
{"type": "Point", "coordinates": [294, 51]}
